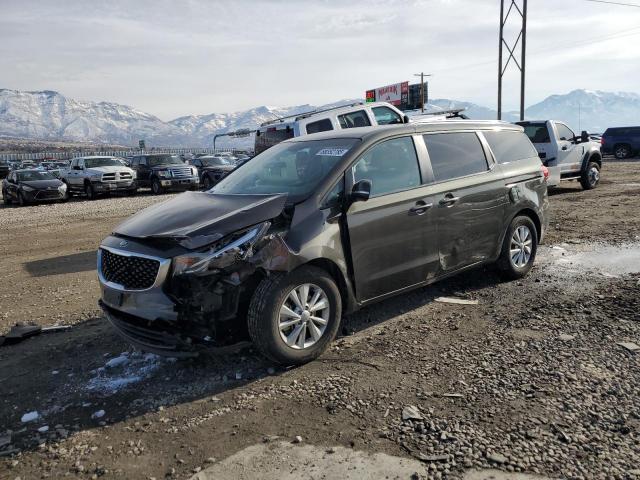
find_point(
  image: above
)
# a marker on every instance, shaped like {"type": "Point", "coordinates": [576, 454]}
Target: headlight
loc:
{"type": "Point", "coordinates": [194, 172]}
{"type": "Point", "coordinates": [164, 173]}
{"type": "Point", "coordinates": [239, 244]}
{"type": "Point", "coordinates": [27, 189]}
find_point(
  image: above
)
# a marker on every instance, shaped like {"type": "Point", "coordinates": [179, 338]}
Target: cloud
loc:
{"type": "Point", "coordinates": [173, 58]}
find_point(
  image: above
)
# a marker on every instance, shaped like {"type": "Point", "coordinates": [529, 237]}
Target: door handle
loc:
{"type": "Point", "coordinates": [449, 200]}
{"type": "Point", "coordinates": [420, 208]}
{"type": "Point", "coordinates": [564, 147]}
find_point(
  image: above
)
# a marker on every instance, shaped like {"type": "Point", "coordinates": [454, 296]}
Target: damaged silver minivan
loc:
{"type": "Point", "coordinates": [319, 226]}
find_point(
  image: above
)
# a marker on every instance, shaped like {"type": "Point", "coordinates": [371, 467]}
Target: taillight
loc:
{"type": "Point", "coordinates": [601, 140]}
{"type": "Point", "coordinates": [545, 172]}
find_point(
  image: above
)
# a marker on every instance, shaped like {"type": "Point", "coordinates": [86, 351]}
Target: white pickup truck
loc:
{"type": "Point", "coordinates": [96, 175]}
{"type": "Point", "coordinates": [567, 156]}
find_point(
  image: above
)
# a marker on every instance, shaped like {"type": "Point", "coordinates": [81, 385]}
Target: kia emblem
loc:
{"type": "Point", "coordinates": [124, 243]}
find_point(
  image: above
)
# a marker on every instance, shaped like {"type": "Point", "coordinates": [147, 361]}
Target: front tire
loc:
{"type": "Point", "coordinates": [622, 152]}
{"type": "Point", "coordinates": [5, 198]}
{"type": "Point", "coordinates": [156, 187]}
{"type": "Point", "coordinates": [591, 176]}
{"type": "Point", "coordinates": [518, 248]}
{"type": "Point", "coordinates": [90, 192]}
{"type": "Point", "coordinates": [285, 326]}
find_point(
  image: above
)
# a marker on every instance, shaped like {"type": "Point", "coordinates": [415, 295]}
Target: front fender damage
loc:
{"type": "Point", "coordinates": [211, 306]}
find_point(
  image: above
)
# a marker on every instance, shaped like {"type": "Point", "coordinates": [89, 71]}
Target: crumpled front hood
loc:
{"type": "Point", "coordinates": [196, 219]}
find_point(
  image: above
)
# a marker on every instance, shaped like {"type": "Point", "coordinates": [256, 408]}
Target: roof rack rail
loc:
{"type": "Point", "coordinates": [308, 114]}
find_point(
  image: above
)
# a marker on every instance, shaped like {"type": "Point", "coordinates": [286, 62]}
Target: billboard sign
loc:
{"type": "Point", "coordinates": [396, 94]}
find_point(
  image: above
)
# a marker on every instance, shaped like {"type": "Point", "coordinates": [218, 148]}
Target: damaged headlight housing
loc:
{"type": "Point", "coordinates": [239, 244]}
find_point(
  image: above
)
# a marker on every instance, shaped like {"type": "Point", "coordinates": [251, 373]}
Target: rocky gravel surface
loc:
{"type": "Point", "coordinates": [541, 377]}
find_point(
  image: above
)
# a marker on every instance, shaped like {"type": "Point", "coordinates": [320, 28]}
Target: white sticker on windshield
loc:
{"type": "Point", "coordinates": [332, 152]}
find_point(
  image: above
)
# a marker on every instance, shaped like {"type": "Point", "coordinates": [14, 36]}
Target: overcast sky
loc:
{"type": "Point", "coordinates": [173, 58]}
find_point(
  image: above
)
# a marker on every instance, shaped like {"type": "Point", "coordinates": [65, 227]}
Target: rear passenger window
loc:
{"type": "Point", "coordinates": [386, 116]}
{"type": "Point", "coordinates": [319, 126]}
{"type": "Point", "coordinates": [354, 119]}
{"type": "Point", "coordinates": [392, 166]}
{"type": "Point", "coordinates": [509, 146]}
{"type": "Point", "coordinates": [455, 155]}
{"type": "Point", "coordinates": [537, 133]}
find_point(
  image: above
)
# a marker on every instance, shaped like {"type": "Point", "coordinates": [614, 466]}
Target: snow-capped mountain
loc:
{"type": "Point", "coordinates": [594, 111]}
{"type": "Point", "coordinates": [50, 115]}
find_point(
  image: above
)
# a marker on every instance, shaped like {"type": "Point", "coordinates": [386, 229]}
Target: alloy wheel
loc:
{"type": "Point", "coordinates": [521, 246]}
{"type": "Point", "coordinates": [303, 316]}
{"type": "Point", "coordinates": [621, 152]}
{"type": "Point", "coordinates": [594, 176]}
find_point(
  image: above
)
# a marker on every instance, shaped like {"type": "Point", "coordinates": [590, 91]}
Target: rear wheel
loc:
{"type": "Point", "coordinates": [293, 317]}
{"type": "Point", "coordinates": [518, 248]}
{"type": "Point", "coordinates": [591, 176]}
{"type": "Point", "coordinates": [622, 151]}
{"type": "Point", "coordinates": [156, 187]}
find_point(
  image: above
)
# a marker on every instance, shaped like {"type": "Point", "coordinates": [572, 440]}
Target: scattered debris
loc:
{"type": "Point", "coordinates": [566, 338]}
{"type": "Point", "coordinates": [430, 458]}
{"type": "Point", "coordinates": [44, 429]}
{"type": "Point", "coordinates": [630, 346]}
{"type": "Point", "coordinates": [411, 412]}
{"type": "Point", "coordinates": [30, 417]}
{"type": "Point", "coordinates": [497, 458]}
{"type": "Point", "coordinates": [21, 331]}
{"type": "Point", "coordinates": [298, 439]}
{"type": "Point", "coordinates": [457, 301]}
{"type": "Point", "coordinates": [98, 414]}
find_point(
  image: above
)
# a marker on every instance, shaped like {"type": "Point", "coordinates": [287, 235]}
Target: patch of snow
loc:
{"type": "Point", "coordinates": [122, 371]}
{"type": "Point", "coordinates": [44, 429]}
{"type": "Point", "coordinates": [30, 417]}
{"type": "Point", "coordinates": [98, 414]}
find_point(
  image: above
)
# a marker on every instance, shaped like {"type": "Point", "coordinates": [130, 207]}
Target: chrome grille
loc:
{"type": "Point", "coordinates": [180, 172]}
{"type": "Point", "coordinates": [125, 176]}
{"type": "Point", "coordinates": [108, 177]}
{"type": "Point", "coordinates": [131, 272]}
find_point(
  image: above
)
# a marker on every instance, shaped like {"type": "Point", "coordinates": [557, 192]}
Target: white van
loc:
{"type": "Point", "coordinates": [337, 118]}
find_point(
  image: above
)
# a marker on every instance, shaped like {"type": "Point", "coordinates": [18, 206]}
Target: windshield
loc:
{"type": "Point", "coordinates": [34, 175]}
{"type": "Point", "coordinates": [215, 161]}
{"type": "Point", "coordinates": [155, 160]}
{"type": "Point", "coordinates": [293, 168]}
{"type": "Point", "coordinates": [102, 162]}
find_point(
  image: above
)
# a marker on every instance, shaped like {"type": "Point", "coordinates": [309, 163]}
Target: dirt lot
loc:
{"type": "Point", "coordinates": [532, 379]}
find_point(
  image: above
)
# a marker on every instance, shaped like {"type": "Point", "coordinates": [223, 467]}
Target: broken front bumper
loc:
{"type": "Point", "coordinates": [151, 336]}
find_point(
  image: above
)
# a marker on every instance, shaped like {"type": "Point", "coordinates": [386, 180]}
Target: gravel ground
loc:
{"type": "Point", "coordinates": [533, 379]}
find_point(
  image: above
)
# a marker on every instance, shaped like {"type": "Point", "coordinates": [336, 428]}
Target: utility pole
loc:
{"type": "Point", "coordinates": [421, 75]}
{"type": "Point", "coordinates": [521, 8]}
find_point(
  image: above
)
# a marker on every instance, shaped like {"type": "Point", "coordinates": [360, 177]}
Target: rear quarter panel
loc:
{"type": "Point", "coordinates": [526, 189]}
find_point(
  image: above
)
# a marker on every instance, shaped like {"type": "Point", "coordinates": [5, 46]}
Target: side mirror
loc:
{"type": "Point", "coordinates": [77, 167]}
{"type": "Point", "coordinates": [406, 119]}
{"type": "Point", "coordinates": [361, 191]}
{"type": "Point", "coordinates": [584, 137]}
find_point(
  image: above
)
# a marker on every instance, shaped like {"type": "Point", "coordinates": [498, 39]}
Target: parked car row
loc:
{"type": "Point", "coordinates": [94, 176]}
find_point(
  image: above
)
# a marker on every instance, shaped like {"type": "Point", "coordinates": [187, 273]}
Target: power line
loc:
{"type": "Point", "coordinates": [615, 3]}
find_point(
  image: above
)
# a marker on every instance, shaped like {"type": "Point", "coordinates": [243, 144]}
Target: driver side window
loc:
{"type": "Point", "coordinates": [564, 132]}
{"type": "Point", "coordinates": [391, 166]}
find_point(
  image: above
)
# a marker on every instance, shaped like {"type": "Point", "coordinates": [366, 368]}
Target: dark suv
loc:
{"type": "Point", "coordinates": [213, 168]}
{"type": "Point", "coordinates": [162, 172]}
{"type": "Point", "coordinates": [623, 142]}
{"type": "Point", "coordinates": [318, 226]}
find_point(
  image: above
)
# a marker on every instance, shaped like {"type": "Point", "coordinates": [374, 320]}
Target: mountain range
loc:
{"type": "Point", "coordinates": [49, 115]}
